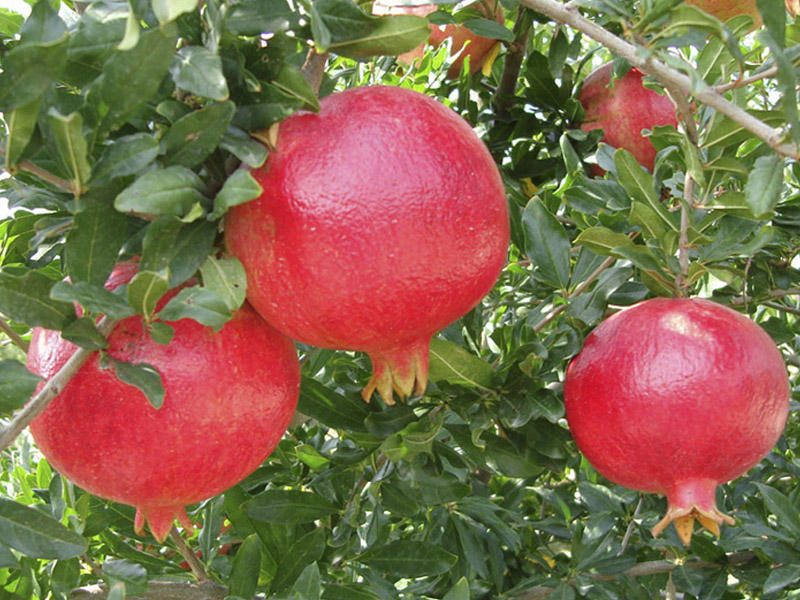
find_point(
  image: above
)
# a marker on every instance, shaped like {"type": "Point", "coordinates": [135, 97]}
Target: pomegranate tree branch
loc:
{"type": "Point", "coordinates": [504, 94]}
{"type": "Point", "coordinates": [13, 336]}
{"type": "Point", "coordinates": [668, 76]}
{"type": "Point", "coordinates": [314, 68]}
{"type": "Point", "coordinates": [651, 567]}
{"type": "Point", "coordinates": [188, 555]}
{"type": "Point", "coordinates": [50, 390]}
{"type": "Point", "coordinates": [745, 81]}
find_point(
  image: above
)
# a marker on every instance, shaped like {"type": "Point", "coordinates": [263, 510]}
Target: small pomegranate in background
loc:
{"type": "Point", "coordinates": [478, 48]}
{"type": "Point", "coordinates": [229, 397]}
{"type": "Point", "coordinates": [623, 110]}
{"type": "Point", "coordinates": [725, 10]}
{"type": "Point", "coordinates": [676, 396]}
{"type": "Point", "coordinates": [383, 219]}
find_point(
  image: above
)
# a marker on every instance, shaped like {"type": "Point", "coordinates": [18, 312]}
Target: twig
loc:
{"type": "Point", "coordinates": [652, 567]}
{"type": "Point", "coordinates": [664, 74]}
{"type": "Point", "coordinates": [314, 68]}
{"type": "Point", "coordinates": [629, 531]}
{"type": "Point", "coordinates": [97, 570]}
{"type": "Point", "coordinates": [188, 555]}
{"type": "Point", "coordinates": [31, 168]}
{"type": "Point", "coordinates": [13, 336]}
{"type": "Point", "coordinates": [504, 94]}
{"type": "Point", "coordinates": [683, 238]}
{"type": "Point", "coordinates": [576, 292]}
{"type": "Point", "coordinates": [745, 81]}
{"type": "Point", "coordinates": [50, 390]}
{"type": "Point", "coordinates": [788, 309]}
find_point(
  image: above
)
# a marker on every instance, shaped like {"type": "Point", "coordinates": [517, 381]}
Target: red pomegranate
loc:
{"type": "Point", "coordinates": [725, 10]}
{"type": "Point", "coordinates": [676, 396]}
{"type": "Point", "coordinates": [229, 398]}
{"type": "Point", "coordinates": [623, 110]}
{"type": "Point", "coordinates": [383, 219]}
{"type": "Point", "coordinates": [478, 48]}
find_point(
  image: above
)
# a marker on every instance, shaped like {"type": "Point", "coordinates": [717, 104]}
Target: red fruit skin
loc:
{"type": "Point", "coordinates": [725, 10]}
{"type": "Point", "coordinates": [229, 398]}
{"type": "Point", "coordinates": [382, 219]}
{"type": "Point", "coordinates": [477, 46]}
{"type": "Point", "coordinates": [623, 110]}
{"type": "Point", "coordinates": [675, 396]}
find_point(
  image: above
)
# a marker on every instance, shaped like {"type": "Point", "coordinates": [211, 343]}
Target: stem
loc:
{"type": "Point", "coordinates": [683, 239]}
{"type": "Point", "coordinates": [664, 74]}
{"type": "Point", "coordinates": [13, 336]}
{"type": "Point", "coordinates": [50, 390]}
{"type": "Point", "coordinates": [744, 82]}
{"type": "Point", "coordinates": [504, 94]}
{"type": "Point", "coordinates": [31, 168]}
{"type": "Point", "coordinates": [188, 555]}
{"type": "Point", "coordinates": [629, 531]}
{"type": "Point", "coordinates": [314, 68]}
{"type": "Point", "coordinates": [787, 309]}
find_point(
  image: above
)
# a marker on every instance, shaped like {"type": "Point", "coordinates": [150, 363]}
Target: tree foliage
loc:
{"type": "Point", "coordinates": [124, 124]}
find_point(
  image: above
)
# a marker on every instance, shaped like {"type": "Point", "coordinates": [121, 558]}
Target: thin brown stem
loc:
{"type": "Point", "coordinates": [781, 307]}
{"type": "Point", "coordinates": [13, 336]}
{"type": "Point", "coordinates": [314, 68]}
{"type": "Point", "coordinates": [745, 81]}
{"type": "Point", "coordinates": [47, 176]}
{"type": "Point", "coordinates": [668, 76]}
{"type": "Point", "coordinates": [50, 390]}
{"type": "Point", "coordinates": [189, 556]}
{"type": "Point", "coordinates": [683, 237]}
{"type": "Point", "coordinates": [504, 94]}
{"type": "Point", "coordinates": [629, 531]}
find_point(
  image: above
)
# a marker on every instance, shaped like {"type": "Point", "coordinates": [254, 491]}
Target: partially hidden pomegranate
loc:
{"type": "Point", "coordinates": [725, 10]}
{"type": "Point", "coordinates": [382, 219]}
{"type": "Point", "coordinates": [229, 398]}
{"type": "Point", "coordinates": [623, 110]}
{"type": "Point", "coordinates": [464, 41]}
{"type": "Point", "coordinates": [676, 396]}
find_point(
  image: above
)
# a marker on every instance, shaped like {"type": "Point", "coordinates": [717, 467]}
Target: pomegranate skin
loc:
{"type": "Point", "coordinates": [229, 398]}
{"type": "Point", "coordinates": [382, 219]}
{"type": "Point", "coordinates": [623, 110]}
{"type": "Point", "coordinates": [676, 396]}
{"type": "Point", "coordinates": [725, 10]}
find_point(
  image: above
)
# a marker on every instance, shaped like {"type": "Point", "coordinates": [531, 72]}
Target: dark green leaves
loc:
{"type": "Point", "coordinates": [35, 534]}
{"type": "Point", "coordinates": [192, 138]}
{"type": "Point", "coordinates": [239, 188]}
{"type": "Point", "coordinates": [547, 244]}
{"type": "Point", "coordinates": [27, 299]}
{"type": "Point", "coordinates": [93, 243]}
{"type": "Point", "coordinates": [203, 305]}
{"type": "Point", "coordinates": [452, 363]}
{"type": "Point", "coordinates": [246, 568]}
{"type": "Point", "coordinates": [198, 70]}
{"type": "Point", "coordinates": [764, 186]}
{"type": "Point", "coordinates": [289, 506]}
{"type": "Point", "coordinates": [170, 191]}
{"type": "Point", "coordinates": [227, 278]}
{"type": "Point", "coordinates": [17, 385]}
{"type": "Point", "coordinates": [406, 558]}
{"type": "Point", "coordinates": [71, 147]}
{"type": "Point", "coordinates": [145, 289]}
{"type": "Point", "coordinates": [126, 155]}
{"type": "Point", "coordinates": [143, 376]}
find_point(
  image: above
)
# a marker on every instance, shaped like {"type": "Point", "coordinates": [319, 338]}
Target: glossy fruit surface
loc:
{"type": "Point", "coordinates": [382, 219]}
{"type": "Point", "coordinates": [476, 47]}
{"type": "Point", "coordinates": [229, 398]}
{"type": "Point", "coordinates": [676, 396]}
{"type": "Point", "coordinates": [623, 110]}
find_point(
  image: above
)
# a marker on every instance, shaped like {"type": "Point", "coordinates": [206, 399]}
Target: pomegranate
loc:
{"type": "Point", "coordinates": [229, 398]}
{"type": "Point", "coordinates": [623, 110]}
{"type": "Point", "coordinates": [725, 10]}
{"type": "Point", "coordinates": [479, 49]}
{"type": "Point", "coordinates": [382, 219]}
{"type": "Point", "coordinates": [676, 396]}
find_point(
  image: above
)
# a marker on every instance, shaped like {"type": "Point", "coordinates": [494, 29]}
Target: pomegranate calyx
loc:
{"type": "Point", "coordinates": [403, 370]}
{"type": "Point", "coordinates": [684, 517]}
{"type": "Point", "coordinates": [159, 519]}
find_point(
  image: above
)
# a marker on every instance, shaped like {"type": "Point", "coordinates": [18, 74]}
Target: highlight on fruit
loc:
{"type": "Point", "coordinates": [676, 396]}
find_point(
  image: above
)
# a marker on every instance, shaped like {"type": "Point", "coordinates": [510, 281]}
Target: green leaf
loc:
{"type": "Point", "coordinates": [489, 28]}
{"type": "Point", "coordinates": [20, 124]}
{"type": "Point", "coordinates": [161, 333]}
{"type": "Point", "coordinates": [203, 305]}
{"type": "Point", "coordinates": [300, 554]}
{"type": "Point", "coordinates": [460, 591]}
{"type": "Point", "coordinates": [170, 191]}
{"type": "Point", "coordinates": [17, 385]}
{"type": "Point", "coordinates": [116, 591]}
{"type": "Point", "coordinates": [127, 572]}
{"type": "Point", "coordinates": [26, 299]}
{"type": "Point", "coordinates": [239, 188]}
{"type": "Point", "coordinates": [253, 17]}
{"type": "Point", "coordinates": [308, 585]}
{"type": "Point", "coordinates": [35, 534]}
{"type": "Point", "coordinates": [83, 332]}
{"type": "Point", "coordinates": [141, 69]}
{"type": "Point", "coordinates": [289, 506]}
{"type": "Point", "coordinates": [407, 558]}
{"type": "Point", "coordinates": [239, 143]}
{"type": "Point", "coordinates": [93, 298]}
{"type": "Point", "coordinates": [94, 242]}
{"type": "Point", "coordinates": [782, 508]}
{"type": "Point", "coordinates": [179, 247]}
{"type": "Point", "coordinates": [640, 185]}
{"type": "Point", "coordinates": [126, 155]}
{"type": "Point", "coordinates": [10, 22]}
{"type": "Point", "coordinates": [331, 408]}
{"type": "Point", "coordinates": [547, 244]}
{"type": "Point", "coordinates": [781, 577]}
{"type": "Point", "coordinates": [198, 70]}
{"type": "Point", "coordinates": [143, 376]}
{"type": "Point", "coordinates": [764, 186]}
{"type": "Point", "coordinates": [192, 138]}
{"type": "Point", "coordinates": [28, 72]}
{"type": "Point", "coordinates": [243, 580]}
{"type": "Point", "coordinates": [169, 10]}
{"type": "Point", "coordinates": [145, 290]}
{"type": "Point", "coordinates": [454, 364]}
{"type": "Point", "coordinates": [226, 277]}
{"type": "Point", "coordinates": [292, 82]}
{"type": "Point", "coordinates": [71, 147]}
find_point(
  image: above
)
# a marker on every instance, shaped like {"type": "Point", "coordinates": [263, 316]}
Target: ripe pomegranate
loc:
{"type": "Point", "coordinates": [725, 10]}
{"type": "Point", "coordinates": [479, 49]}
{"type": "Point", "coordinates": [623, 110]}
{"type": "Point", "coordinates": [676, 396]}
{"type": "Point", "coordinates": [382, 219]}
{"type": "Point", "coordinates": [229, 398]}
